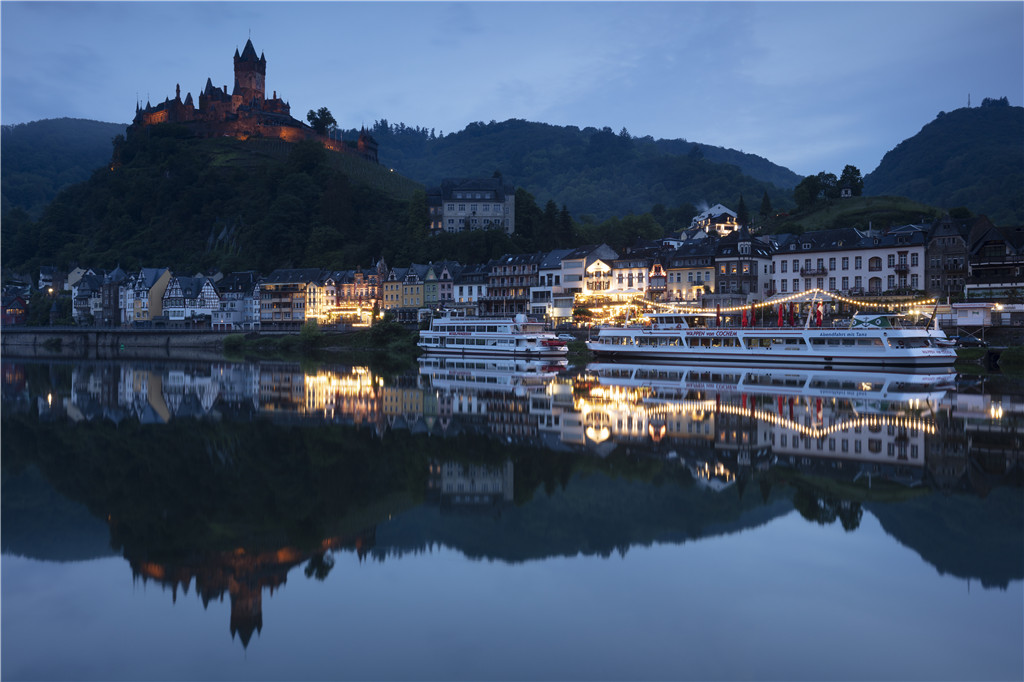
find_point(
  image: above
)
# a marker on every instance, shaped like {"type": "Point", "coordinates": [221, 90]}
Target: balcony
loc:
{"type": "Point", "coordinates": [902, 268]}
{"type": "Point", "coordinates": [814, 272]}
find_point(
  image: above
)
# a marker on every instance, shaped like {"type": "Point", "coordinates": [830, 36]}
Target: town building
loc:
{"type": "Point", "coordinates": [850, 262]}
{"type": "Point", "coordinates": [996, 262]}
{"type": "Point", "coordinates": [510, 282]}
{"type": "Point", "coordinates": [473, 204]}
{"type": "Point", "coordinates": [146, 294]}
{"type": "Point", "coordinates": [690, 271]}
{"type": "Point", "coordinates": [191, 300]}
{"type": "Point", "coordinates": [239, 310]}
{"type": "Point", "coordinates": [283, 295]}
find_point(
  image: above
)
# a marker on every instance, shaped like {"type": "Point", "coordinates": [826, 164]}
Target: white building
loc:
{"type": "Point", "coordinates": [850, 262]}
{"type": "Point", "coordinates": [477, 204]}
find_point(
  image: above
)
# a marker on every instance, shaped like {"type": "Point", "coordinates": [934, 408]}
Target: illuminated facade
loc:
{"type": "Point", "coordinates": [246, 112]}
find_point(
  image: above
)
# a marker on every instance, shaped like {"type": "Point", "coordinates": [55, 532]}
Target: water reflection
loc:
{"type": "Point", "coordinates": [221, 478]}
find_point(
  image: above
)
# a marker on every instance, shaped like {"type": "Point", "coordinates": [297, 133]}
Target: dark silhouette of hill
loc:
{"type": "Point", "coordinates": [41, 158]}
{"type": "Point", "coordinates": [970, 157]}
{"type": "Point", "coordinates": [963, 536]}
{"type": "Point", "coordinates": [592, 172]}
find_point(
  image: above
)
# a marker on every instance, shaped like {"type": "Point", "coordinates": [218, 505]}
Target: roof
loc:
{"type": "Point", "coordinates": [553, 259]}
{"type": "Point", "coordinates": [238, 282]}
{"type": "Point", "coordinates": [294, 275]}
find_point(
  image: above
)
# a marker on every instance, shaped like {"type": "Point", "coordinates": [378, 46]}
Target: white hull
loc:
{"type": "Point", "coordinates": [485, 337]}
{"type": "Point", "coordinates": [811, 347]}
{"type": "Point", "coordinates": [671, 380]}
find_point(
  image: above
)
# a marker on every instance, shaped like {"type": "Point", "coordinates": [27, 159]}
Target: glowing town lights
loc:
{"type": "Point", "coordinates": [995, 411]}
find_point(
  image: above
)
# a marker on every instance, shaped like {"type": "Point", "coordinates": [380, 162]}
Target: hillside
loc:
{"type": "Point", "coordinates": [861, 213]}
{"type": "Point", "coordinates": [171, 200]}
{"type": "Point", "coordinates": [41, 158]}
{"type": "Point", "coordinates": [968, 157]}
{"type": "Point", "coordinates": [595, 173]}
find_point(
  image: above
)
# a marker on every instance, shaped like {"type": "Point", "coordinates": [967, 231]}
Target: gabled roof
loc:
{"type": "Point", "coordinates": [238, 282]}
{"type": "Point", "coordinates": [294, 276]}
{"type": "Point", "coordinates": [553, 259]}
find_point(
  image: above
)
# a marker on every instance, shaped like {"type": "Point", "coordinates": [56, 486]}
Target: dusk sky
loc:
{"type": "Point", "coordinates": [811, 86]}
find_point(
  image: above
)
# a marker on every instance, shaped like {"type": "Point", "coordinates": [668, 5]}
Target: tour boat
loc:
{"type": "Point", "coordinates": [491, 375]}
{"type": "Point", "coordinates": [868, 340]}
{"type": "Point", "coordinates": [515, 336]}
{"type": "Point", "coordinates": [673, 381]}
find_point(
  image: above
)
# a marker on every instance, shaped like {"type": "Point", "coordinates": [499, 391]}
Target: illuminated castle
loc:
{"type": "Point", "coordinates": [245, 113]}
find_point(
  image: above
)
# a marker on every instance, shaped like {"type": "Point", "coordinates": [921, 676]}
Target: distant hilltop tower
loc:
{"type": "Point", "coordinates": [245, 113]}
{"type": "Point", "coordinates": [250, 77]}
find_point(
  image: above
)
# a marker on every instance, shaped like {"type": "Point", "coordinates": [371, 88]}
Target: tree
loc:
{"type": "Point", "coordinates": [766, 205]}
{"type": "Point", "coordinates": [321, 120]}
{"type": "Point", "coordinates": [806, 193]}
{"type": "Point", "coordinates": [742, 213]}
{"type": "Point", "coordinates": [851, 178]}
{"type": "Point", "coordinates": [829, 185]}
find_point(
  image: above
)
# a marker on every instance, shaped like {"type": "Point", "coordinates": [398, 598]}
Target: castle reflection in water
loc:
{"type": "Point", "coordinates": [723, 425]}
{"type": "Point", "coordinates": [718, 422]}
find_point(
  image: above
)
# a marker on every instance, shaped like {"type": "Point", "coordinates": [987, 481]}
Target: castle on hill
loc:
{"type": "Point", "coordinates": [246, 112]}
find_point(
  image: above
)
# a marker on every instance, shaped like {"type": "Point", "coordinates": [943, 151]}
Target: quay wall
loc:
{"type": "Point", "coordinates": [84, 342]}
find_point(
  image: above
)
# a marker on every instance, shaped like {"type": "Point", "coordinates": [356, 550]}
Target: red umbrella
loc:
{"type": "Point", "coordinates": [791, 323]}
{"type": "Point", "coordinates": [780, 314]}
{"type": "Point", "coordinates": [743, 322]}
{"type": "Point", "coordinates": [818, 311]}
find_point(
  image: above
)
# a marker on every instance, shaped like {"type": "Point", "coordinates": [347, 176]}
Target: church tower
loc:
{"type": "Point", "coordinates": [250, 77]}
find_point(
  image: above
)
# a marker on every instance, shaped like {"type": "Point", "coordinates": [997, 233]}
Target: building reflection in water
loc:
{"type": "Point", "coordinates": [723, 425]}
{"type": "Point", "coordinates": [719, 419]}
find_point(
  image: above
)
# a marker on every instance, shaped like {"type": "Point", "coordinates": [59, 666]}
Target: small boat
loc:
{"type": "Point", "coordinates": [517, 336]}
{"type": "Point", "coordinates": [870, 340]}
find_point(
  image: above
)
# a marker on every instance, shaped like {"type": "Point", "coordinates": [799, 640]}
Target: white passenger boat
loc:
{"type": "Point", "coordinates": [673, 381]}
{"type": "Point", "coordinates": [492, 375]}
{"type": "Point", "coordinates": [868, 340]}
{"type": "Point", "coordinates": [516, 336]}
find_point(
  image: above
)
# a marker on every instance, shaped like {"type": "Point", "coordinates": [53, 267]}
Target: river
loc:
{"type": "Point", "coordinates": [495, 520]}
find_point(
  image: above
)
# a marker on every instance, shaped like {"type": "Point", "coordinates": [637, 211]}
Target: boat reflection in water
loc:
{"type": "Point", "coordinates": [721, 426]}
{"type": "Point", "coordinates": [878, 423]}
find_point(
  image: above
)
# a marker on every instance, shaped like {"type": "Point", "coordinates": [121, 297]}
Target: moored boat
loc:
{"type": "Point", "coordinates": [516, 336]}
{"type": "Point", "coordinates": [869, 340]}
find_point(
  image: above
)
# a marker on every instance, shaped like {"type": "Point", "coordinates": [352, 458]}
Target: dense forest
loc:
{"type": "Point", "coordinates": [39, 159]}
{"type": "Point", "coordinates": [170, 200]}
{"type": "Point", "coordinates": [595, 174]}
{"type": "Point", "coordinates": [971, 157]}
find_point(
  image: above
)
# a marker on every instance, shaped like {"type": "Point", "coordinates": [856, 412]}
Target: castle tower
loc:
{"type": "Point", "coordinates": [250, 77]}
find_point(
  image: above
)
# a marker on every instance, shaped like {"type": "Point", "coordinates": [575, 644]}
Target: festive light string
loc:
{"type": "Point", "coordinates": [801, 296]}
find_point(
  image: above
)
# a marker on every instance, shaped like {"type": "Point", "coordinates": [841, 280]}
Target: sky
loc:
{"type": "Point", "coordinates": [811, 86]}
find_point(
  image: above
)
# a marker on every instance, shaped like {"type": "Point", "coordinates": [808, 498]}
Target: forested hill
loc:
{"type": "Point", "coordinates": [592, 172]}
{"type": "Point", "coordinates": [41, 158]}
{"type": "Point", "coordinates": [972, 157]}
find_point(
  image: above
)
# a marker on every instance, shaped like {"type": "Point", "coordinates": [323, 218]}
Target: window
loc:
{"type": "Point", "coordinates": [784, 265]}
{"type": "Point", "coordinates": [913, 260]}
{"type": "Point", "coordinates": [831, 263]}
{"type": "Point", "coordinates": [783, 286]}
{"type": "Point", "coordinates": [846, 262]}
{"type": "Point", "coordinates": [845, 283]}
{"type": "Point", "coordinates": [857, 262]}
{"type": "Point", "coordinates": [891, 260]}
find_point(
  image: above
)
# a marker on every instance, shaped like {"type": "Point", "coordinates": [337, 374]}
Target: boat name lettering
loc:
{"type": "Point", "coordinates": [715, 332]}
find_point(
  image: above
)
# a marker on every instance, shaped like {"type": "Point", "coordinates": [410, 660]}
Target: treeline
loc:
{"type": "Point", "coordinates": [596, 174]}
{"type": "Point", "coordinates": [39, 159]}
{"type": "Point", "coordinates": [167, 199]}
{"type": "Point", "coordinates": [967, 157]}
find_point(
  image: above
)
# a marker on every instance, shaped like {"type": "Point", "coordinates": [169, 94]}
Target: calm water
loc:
{"type": "Point", "coordinates": [488, 520]}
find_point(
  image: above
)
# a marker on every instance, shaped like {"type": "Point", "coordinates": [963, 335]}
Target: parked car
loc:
{"type": "Point", "coordinates": [970, 342]}
{"type": "Point", "coordinates": [566, 337]}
